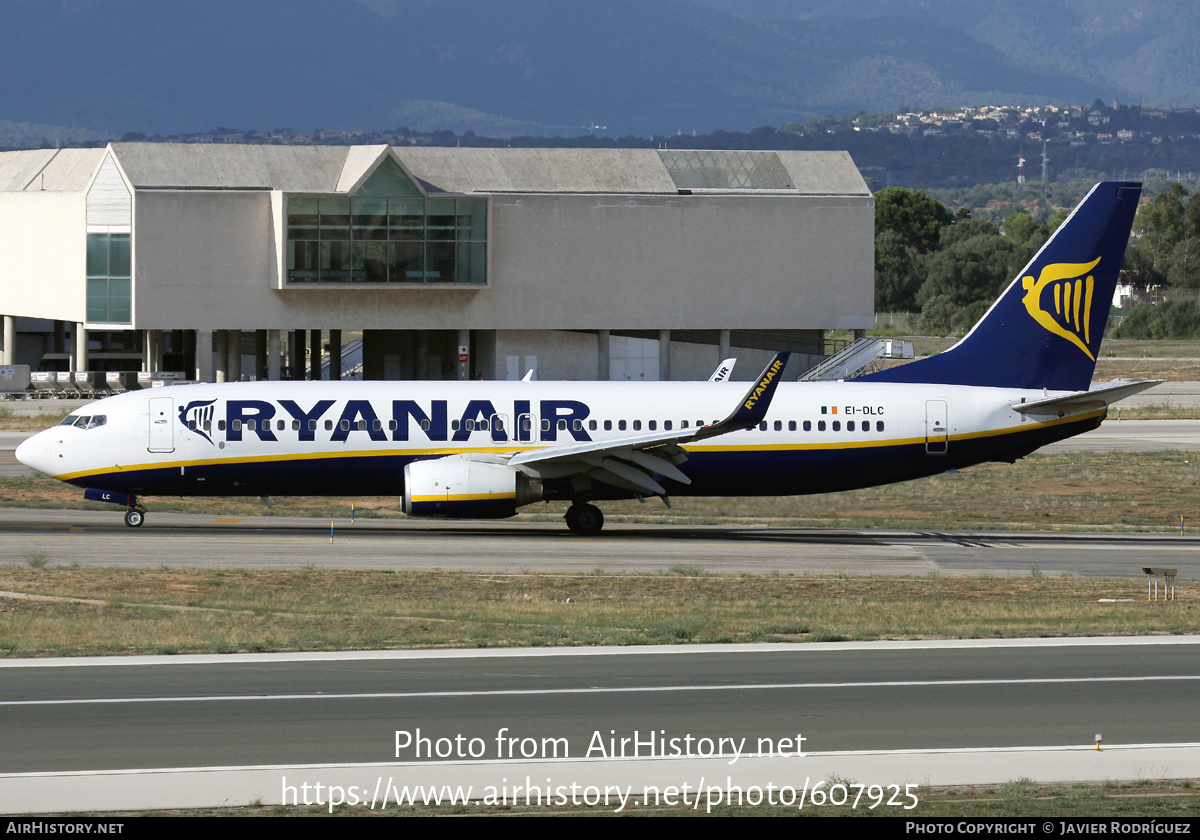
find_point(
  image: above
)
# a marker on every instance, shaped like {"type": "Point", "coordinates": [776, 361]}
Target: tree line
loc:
{"type": "Point", "coordinates": [950, 267]}
{"type": "Point", "coordinates": [1166, 258]}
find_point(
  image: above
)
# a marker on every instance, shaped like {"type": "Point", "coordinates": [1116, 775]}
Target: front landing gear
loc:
{"type": "Point", "coordinates": [135, 514]}
{"type": "Point", "coordinates": [585, 520]}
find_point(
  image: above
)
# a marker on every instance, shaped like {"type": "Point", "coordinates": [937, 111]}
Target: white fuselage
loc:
{"type": "Point", "coordinates": [299, 438]}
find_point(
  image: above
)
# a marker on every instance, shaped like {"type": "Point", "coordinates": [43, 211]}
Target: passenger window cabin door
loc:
{"type": "Point", "coordinates": [161, 431]}
{"type": "Point", "coordinates": [937, 429]}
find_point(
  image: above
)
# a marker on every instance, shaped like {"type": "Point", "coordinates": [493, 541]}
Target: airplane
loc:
{"type": "Point", "coordinates": [1020, 379]}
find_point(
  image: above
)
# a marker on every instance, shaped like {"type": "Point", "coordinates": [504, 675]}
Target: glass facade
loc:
{"type": "Point", "coordinates": [109, 278]}
{"type": "Point", "coordinates": [387, 234]}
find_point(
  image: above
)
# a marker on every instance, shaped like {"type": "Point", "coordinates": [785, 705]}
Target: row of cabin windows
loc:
{"type": "Point", "coordinates": [498, 422]}
{"type": "Point", "coordinates": [835, 426]}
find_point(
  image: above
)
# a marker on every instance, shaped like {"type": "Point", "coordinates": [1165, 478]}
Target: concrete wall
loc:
{"type": "Point", "coordinates": [204, 259]}
{"type": "Point", "coordinates": [43, 255]}
{"type": "Point", "coordinates": [560, 355]}
{"type": "Point", "coordinates": [211, 259]}
{"type": "Point", "coordinates": [674, 262]}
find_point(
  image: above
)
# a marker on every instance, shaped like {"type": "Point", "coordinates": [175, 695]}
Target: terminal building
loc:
{"type": "Point", "coordinates": [228, 262]}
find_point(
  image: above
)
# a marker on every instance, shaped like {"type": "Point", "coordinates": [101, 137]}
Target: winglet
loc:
{"type": "Point", "coordinates": [723, 371]}
{"type": "Point", "coordinates": [753, 407]}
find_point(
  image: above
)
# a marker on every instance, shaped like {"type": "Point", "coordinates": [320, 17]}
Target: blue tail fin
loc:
{"type": "Point", "coordinates": [1045, 330]}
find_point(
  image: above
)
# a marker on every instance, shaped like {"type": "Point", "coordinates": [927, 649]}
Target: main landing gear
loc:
{"type": "Point", "coordinates": [584, 519]}
{"type": "Point", "coordinates": [134, 518]}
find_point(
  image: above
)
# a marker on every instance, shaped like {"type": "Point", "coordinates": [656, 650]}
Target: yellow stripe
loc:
{"type": "Point", "coordinates": [761, 447]}
{"type": "Point", "coordinates": [299, 456]}
{"type": "Point", "coordinates": [466, 497]}
{"type": "Point", "coordinates": [1079, 297]}
{"type": "Point", "coordinates": [1087, 311]}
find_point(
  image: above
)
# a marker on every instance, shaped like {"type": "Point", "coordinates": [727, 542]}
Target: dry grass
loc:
{"type": "Point", "coordinates": [1165, 410]}
{"type": "Point", "coordinates": [1151, 347]}
{"type": "Point", "coordinates": [1146, 799]}
{"type": "Point", "coordinates": [108, 611]}
{"type": "Point", "coordinates": [13, 421]}
{"type": "Point", "coordinates": [1175, 370]}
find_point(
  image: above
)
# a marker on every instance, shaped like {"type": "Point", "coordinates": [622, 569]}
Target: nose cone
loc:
{"type": "Point", "coordinates": [35, 453]}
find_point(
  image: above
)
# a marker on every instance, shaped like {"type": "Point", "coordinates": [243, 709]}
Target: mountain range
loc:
{"type": "Point", "coordinates": [620, 67]}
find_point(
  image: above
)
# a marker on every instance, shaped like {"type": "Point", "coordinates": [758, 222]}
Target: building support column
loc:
{"type": "Point", "coordinates": [335, 355]}
{"type": "Point", "coordinates": [722, 346]}
{"type": "Point", "coordinates": [260, 354]}
{"type": "Point", "coordinates": [314, 355]}
{"type": "Point", "coordinates": [222, 355]}
{"type": "Point", "coordinates": [603, 355]}
{"type": "Point", "coordinates": [10, 341]}
{"type": "Point", "coordinates": [463, 367]}
{"type": "Point", "coordinates": [81, 348]}
{"type": "Point", "coordinates": [157, 347]}
{"type": "Point", "coordinates": [295, 355]}
{"type": "Point", "coordinates": [664, 355]}
{"type": "Point", "coordinates": [204, 356]}
{"type": "Point", "coordinates": [151, 351]}
{"type": "Point", "coordinates": [234, 348]}
{"type": "Point", "coordinates": [273, 353]}
{"type": "Point", "coordinates": [421, 353]}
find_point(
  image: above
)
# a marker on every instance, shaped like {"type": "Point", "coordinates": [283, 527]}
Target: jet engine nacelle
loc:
{"type": "Point", "coordinates": [462, 488]}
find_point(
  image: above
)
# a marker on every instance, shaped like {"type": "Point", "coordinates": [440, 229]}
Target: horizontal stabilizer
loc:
{"type": "Point", "coordinates": [1095, 398]}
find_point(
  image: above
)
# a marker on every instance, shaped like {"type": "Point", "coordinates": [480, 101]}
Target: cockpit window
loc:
{"type": "Point", "coordinates": [84, 421]}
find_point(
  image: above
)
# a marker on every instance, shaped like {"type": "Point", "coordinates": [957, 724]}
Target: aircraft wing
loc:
{"type": "Point", "coordinates": [631, 463]}
{"type": "Point", "coordinates": [1095, 398]}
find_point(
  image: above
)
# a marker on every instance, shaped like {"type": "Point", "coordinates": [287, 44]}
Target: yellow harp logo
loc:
{"type": "Point", "coordinates": [1071, 293]}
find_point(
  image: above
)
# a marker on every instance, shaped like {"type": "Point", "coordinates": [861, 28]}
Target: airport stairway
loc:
{"type": "Point", "coordinates": [352, 361]}
{"type": "Point", "coordinates": [846, 363]}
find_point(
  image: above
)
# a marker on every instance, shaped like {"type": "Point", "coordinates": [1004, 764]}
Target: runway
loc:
{"type": "Point", "coordinates": [139, 733]}
{"type": "Point", "coordinates": [99, 538]}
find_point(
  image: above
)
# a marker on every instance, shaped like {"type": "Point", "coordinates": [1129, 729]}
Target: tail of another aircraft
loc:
{"type": "Point", "coordinates": [1045, 330]}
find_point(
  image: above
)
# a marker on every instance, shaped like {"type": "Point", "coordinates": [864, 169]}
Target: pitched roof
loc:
{"type": "Point", "coordinates": [340, 169]}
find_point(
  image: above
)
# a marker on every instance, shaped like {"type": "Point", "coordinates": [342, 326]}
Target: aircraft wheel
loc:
{"type": "Point", "coordinates": [585, 520]}
{"type": "Point", "coordinates": [134, 518]}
